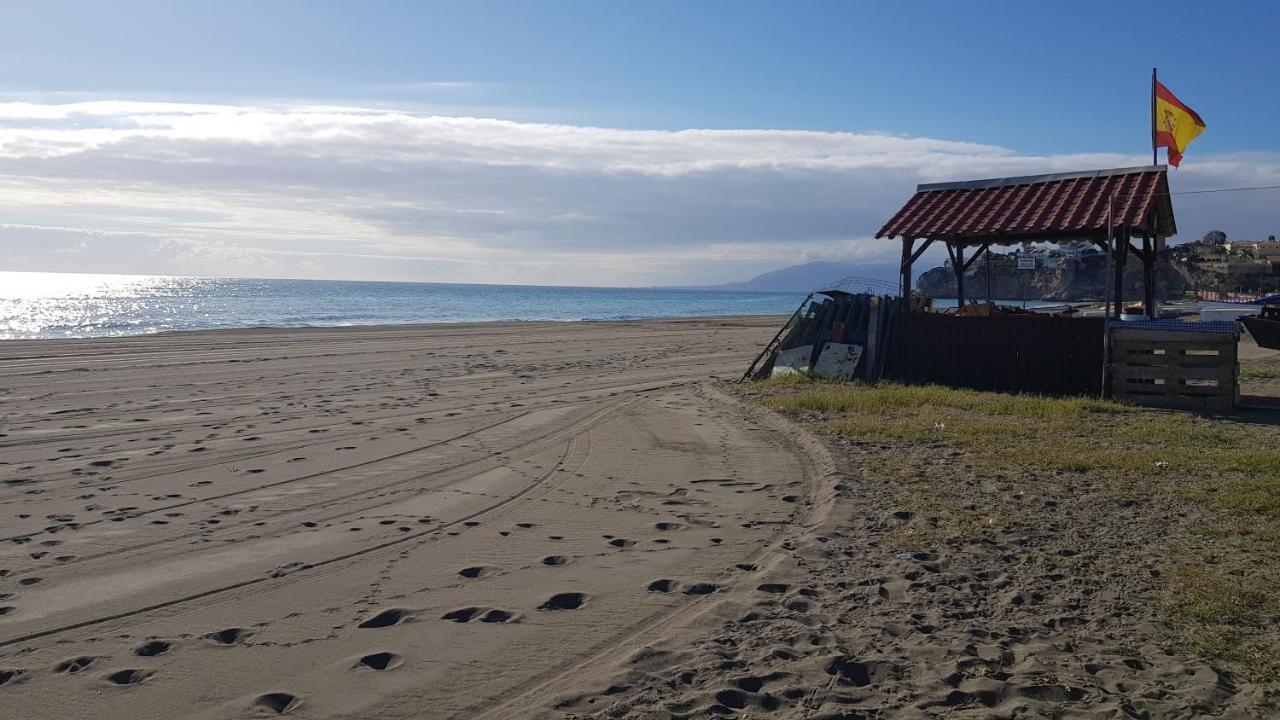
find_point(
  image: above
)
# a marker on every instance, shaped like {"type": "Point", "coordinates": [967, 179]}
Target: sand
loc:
{"type": "Point", "coordinates": [393, 522]}
{"type": "Point", "coordinates": [549, 521]}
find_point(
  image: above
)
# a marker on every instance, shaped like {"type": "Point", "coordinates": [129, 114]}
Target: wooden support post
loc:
{"type": "Point", "coordinates": [905, 269]}
{"type": "Point", "coordinates": [959, 266]}
{"type": "Point", "coordinates": [872, 353]}
{"type": "Point", "coordinates": [1122, 255]}
{"type": "Point", "coordinates": [1148, 276]}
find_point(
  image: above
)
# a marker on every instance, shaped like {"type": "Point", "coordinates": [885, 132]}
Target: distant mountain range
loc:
{"type": "Point", "coordinates": [814, 276]}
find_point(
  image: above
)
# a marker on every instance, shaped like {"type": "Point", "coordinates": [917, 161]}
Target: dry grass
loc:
{"type": "Point", "coordinates": [1240, 463]}
{"type": "Point", "coordinates": [1229, 468]}
{"type": "Point", "coordinates": [1259, 373]}
{"type": "Point", "coordinates": [1213, 615]}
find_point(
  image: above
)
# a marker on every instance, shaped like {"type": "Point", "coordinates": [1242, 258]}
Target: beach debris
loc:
{"type": "Point", "coordinates": [838, 360]}
{"type": "Point", "coordinates": [834, 333]}
{"type": "Point", "coordinates": [792, 361]}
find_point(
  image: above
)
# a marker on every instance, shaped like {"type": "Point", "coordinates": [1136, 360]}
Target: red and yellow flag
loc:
{"type": "Point", "coordinates": [1176, 125]}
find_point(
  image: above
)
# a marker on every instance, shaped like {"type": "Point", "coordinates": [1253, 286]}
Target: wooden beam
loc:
{"type": "Point", "coordinates": [959, 266]}
{"type": "Point", "coordinates": [1122, 255]}
{"type": "Point", "coordinates": [904, 269]}
{"type": "Point", "coordinates": [976, 255]}
{"type": "Point", "coordinates": [916, 255]}
{"type": "Point", "coordinates": [1148, 277]}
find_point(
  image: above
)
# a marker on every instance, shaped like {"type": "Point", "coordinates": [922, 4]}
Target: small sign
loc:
{"type": "Point", "coordinates": [838, 360]}
{"type": "Point", "coordinates": [1026, 263]}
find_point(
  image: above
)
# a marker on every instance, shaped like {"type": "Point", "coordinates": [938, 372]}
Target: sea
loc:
{"type": "Point", "coordinates": [73, 305]}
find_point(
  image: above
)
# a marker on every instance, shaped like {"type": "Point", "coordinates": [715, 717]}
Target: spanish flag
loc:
{"type": "Point", "coordinates": [1176, 125]}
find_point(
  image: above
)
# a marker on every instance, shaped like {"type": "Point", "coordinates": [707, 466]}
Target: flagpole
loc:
{"type": "Point", "coordinates": [1153, 117]}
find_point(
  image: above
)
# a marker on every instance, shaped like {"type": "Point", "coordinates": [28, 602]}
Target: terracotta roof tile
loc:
{"type": "Point", "coordinates": [1070, 205]}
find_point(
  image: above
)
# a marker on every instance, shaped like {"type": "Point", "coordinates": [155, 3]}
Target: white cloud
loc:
{"type": "Point", "coordinates": [356, 192]}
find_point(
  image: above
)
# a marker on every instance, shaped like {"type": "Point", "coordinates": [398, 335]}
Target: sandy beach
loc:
{"type": "Point", "coordinates": [583, 520]}
{"type": "Point", "coordinates": [446, 521]}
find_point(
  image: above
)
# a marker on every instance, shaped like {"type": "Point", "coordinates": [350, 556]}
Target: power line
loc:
{"type": "Point", "coordinates": [1127, 196]}
{"type": "Point", "coordinates": [1221, 190]}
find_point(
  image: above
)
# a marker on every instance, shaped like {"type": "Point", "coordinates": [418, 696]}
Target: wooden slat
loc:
{"type": "Point", "coordinates": [1169, 348]}
{"type": "Point", "coordinates": [1221, 374]}
{"type": "Point", "coordinates": [1175, 337]}
{"type": "Point", "coordinates": [1149, 358]}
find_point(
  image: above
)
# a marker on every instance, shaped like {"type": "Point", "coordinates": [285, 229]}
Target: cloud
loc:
{"type": "Point", "coordinates": [312, 190]}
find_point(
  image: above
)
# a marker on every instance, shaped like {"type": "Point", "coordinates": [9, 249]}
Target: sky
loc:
{"type": "Point", "coordinates": [586, 143]}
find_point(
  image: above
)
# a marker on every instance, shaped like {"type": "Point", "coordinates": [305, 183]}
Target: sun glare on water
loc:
{"type": "Point", "coordinates": [74, 304]}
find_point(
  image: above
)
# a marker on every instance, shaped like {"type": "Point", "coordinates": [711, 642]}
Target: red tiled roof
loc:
{"type": "Point", "coordinates": [1070, 205]}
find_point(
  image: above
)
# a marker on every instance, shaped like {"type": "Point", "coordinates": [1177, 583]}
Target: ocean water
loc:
{"type": "Point", "coordinates": [68, 305]}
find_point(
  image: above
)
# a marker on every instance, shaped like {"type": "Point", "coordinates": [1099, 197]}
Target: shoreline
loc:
{"type": "Point", "coordinates": [390, 326]}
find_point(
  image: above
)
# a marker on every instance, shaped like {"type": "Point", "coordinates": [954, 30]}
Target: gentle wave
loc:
{"type": "Point", "coordinates": [69, 305]}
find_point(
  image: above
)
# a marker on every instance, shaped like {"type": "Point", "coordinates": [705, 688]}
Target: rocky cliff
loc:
{"type": "Point", "coordinates": [1071, 279]}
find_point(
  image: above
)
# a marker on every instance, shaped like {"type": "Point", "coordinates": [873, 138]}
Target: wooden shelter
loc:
{"type": "Point", "coordinates": [1110, 208]}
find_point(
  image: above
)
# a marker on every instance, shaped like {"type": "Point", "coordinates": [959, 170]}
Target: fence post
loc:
{"type": "Point", "coordinates": [873, 337]}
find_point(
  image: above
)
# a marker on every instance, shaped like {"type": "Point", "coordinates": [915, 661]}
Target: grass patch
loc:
{"type": "Point", "coordinates": [1199, 595]}
{"type": "Point", "coordinates": [1259, 373]}
{"type": "Point", "coordinates": [1213, 616]}
{"type": "Point", "coordinates": [1239, 464]}
{"type": "Point", "coordinates": [1230, 468]}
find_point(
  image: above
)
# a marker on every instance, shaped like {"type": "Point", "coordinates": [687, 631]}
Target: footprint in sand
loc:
{"type": "Point", "coordinates": [663, 586]}
{"type": "Point", "coordinates": [461, 615]}
{"type": "Point", "coordinates": [380, 661]}
{"type": "Point", "coordinates": [10, 676]}
{"type": "Point", "coordinates": [555, 560]}
{"type": "Point", "coordinates": [387, 618]}
{"type": "Point", "coordinates": [701, 589]}
{"type": "Point", "coordinates": [498, 616]}
{"type": "Point", "coordinates": [229, 636]}
{"type": "Point", "coordinates": [857, 673]}
{"type": "Point", "coordinates": [564, 601]}
{"type": "Point", "coordinates": [733, 699]}
{"type": "Point", "coordinates": [622, 543]}
{"type": "Point", "coordinates": [128, 677]}
{"type": "Point", "coordinates": [277, 703]}
{"type": "Point", "coordinates": [475, 571]}
{"type": "Point", "coordinates": [153, 648]}
{"type": "Point", "coordinates": [75, 665]}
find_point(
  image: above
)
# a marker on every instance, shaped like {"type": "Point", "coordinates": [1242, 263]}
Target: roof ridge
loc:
{"type": "Point", "coordinates": [1032, 179]}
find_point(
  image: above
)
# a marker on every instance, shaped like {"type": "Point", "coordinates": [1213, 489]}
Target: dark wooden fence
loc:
{"type": "Point", "coordinates": [1020, 353]}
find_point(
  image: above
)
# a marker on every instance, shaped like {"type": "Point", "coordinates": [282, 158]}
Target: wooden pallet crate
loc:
{"type": "Point", "coordinates": [1175, 368]}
